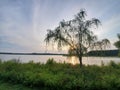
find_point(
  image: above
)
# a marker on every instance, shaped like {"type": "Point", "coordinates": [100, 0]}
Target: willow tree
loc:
{"type": "Point", "coordinates": [77, 34]}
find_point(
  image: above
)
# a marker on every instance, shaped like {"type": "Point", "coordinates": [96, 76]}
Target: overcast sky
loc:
{"type": "Point", "coordinates": [23, 23]}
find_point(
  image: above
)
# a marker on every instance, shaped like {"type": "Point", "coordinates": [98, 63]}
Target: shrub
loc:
{"type": "Point", "coordinates": [61, 76]}
{"type": "Point", "coordinates": [113, 64]}
{"type": "Point", "coordinates": [50, 61]}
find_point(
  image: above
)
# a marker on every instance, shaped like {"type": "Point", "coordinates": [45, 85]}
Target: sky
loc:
{"type": "Point", "coordinates": [24, 23]}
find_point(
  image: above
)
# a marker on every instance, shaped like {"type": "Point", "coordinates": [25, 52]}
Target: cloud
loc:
{"type": "Point", "coordinates": [110, 27]}
{"type": "Point", "coordinates": [16, 31]}
{"type": "Point", "coordinates": [23, 23]}
{"type": "Point", "coordinates": [109, 30]}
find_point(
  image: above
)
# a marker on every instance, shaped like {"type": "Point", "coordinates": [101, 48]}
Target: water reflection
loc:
{"type": "Point", "coordinates": [93, 60]}
{"type": "Point", "coordinates": [74, 60]}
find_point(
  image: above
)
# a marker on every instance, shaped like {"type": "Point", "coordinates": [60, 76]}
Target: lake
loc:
{"type": "Point", "coordinates": [73, 60]}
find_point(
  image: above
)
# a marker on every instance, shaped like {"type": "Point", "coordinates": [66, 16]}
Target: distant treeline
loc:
{"type": "Point", "coordinates": [103, 53]}
{"type": "Point", "coordinates": [11, 53]}
{"type": "Point", "coordinates": [91, 53]}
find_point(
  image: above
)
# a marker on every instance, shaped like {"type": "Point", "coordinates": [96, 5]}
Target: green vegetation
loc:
{"type": "Point", "coordinates": [77, 34]}
{"type": "Point", "coordinates": [8, 86]}
{"type": "Point", "coordinates": [58, 76]}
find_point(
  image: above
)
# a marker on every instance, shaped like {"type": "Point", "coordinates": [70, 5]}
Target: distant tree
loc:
{"type": "Point", "coordinates": [76, 34]}
{"type": "Point", "coordinates": [117, 43]}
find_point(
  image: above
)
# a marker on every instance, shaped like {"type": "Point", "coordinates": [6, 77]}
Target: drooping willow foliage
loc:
{"type": "Point", "coordinates": [77, 34]}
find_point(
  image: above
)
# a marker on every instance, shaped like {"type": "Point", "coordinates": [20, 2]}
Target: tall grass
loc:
{"type": "Point", "coordinates": [61, 76]}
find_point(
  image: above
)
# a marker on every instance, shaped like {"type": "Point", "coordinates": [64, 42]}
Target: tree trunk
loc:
{"type": "Point", "coordinates": [80, 60]}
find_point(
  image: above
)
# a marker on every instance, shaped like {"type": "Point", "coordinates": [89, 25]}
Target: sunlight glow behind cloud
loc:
{"type": "Point", "coordinates": [23, 23]}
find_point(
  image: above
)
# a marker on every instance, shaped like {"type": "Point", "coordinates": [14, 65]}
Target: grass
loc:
{"type": "Point", "coordinates": [58, 76]}
{"type": "Point", "coordinates": [8, 86]}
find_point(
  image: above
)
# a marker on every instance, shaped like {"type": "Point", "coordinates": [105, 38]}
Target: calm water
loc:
{"type": "Point", "coordinates": [73, 60]}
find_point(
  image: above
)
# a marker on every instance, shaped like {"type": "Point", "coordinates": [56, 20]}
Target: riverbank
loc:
{"type": "Point", "coordinates": [60, 76]}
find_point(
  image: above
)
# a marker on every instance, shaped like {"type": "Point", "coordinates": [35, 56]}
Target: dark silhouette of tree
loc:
{"type": "Point", "coordinates": [117, 43]}
{"type": "Point", "coordinates": [76, 34]}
